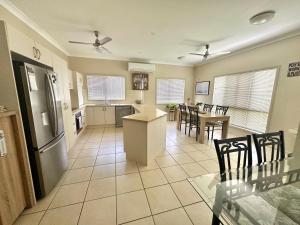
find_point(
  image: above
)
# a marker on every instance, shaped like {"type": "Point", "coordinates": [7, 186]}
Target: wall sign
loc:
{"type": "Point", "coordinates": [294, 69]}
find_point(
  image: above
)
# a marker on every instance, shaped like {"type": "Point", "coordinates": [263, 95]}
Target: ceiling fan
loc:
{"type": "Point", "coordinates": [98, 44]}
{"type": "Point", "coordinates": [207, 53]}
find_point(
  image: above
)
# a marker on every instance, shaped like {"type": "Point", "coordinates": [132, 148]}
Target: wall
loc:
{"type": "Point", "coordinates": [120, 68]}
{"type": "Point", "coordinates": [8, 94]}
{"type": "Point", "coordinates": [285, 112]}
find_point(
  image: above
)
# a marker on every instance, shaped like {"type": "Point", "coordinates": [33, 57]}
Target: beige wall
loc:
{"type": "Point", "coordinates": [285, 112]}
{"type": "Point", "coordinates": [13, 21]}
{"type": "Point", "coordinates": [120, 68]}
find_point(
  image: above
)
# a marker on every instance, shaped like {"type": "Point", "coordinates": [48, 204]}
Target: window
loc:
{"type": "Point", "coordinates": [249, 97]}
{"type": "Point", "coordinates": [105, 87]}
{"type": "Point", "coordinates": [169, 91]}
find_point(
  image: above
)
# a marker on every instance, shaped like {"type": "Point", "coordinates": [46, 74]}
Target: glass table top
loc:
{"type": "Point", "coordinates": [266, 195]}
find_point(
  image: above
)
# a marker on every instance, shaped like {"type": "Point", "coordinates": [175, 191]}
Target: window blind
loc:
{"type": "Point", "coordinates": [170, 91]}
{"type": "Point", "coordinates": [106, 87]}
{"type": "Point", "coordinates": [249, 97]}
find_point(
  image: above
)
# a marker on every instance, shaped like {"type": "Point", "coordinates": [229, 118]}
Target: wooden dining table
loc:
{"type": "Point", "coordinates": [204, 118]}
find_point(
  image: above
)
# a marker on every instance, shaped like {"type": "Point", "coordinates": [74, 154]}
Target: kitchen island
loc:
{"type": "Point", "coordinates": [144, 133]}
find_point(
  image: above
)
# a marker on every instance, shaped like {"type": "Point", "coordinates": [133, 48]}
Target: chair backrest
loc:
{"type": "Point", "coordinates": [199, 104]}
{"type": "Point", "coordinates": [194, 112]}
{"type": "Point", "coordinates": [275, 140]}
{"type": "Point", "coordinates": [226, 147]}
{"type": "Point", "coordinates": [221, 109]}
{"type": "Point", "coordinates": [207, 107]}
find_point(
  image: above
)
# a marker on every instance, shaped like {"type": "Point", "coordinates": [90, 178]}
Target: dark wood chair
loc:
{"type": "Point", "coordinates": [226, 147]}
{"type": "Point", "coordinates": [273, 140]}
{"type": "Point", "coordinates": [183, 116]}
{"type": "Point", "coordinates": [219, 125]}
{"type": "Point", "coordinates": [194, 119]}
{"type": "Point", "coordinates": [207, 107]}
{"type": "Point", "coordinates": [199, 104]}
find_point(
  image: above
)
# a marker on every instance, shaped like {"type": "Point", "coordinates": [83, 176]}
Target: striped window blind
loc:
{"type": "Point", "coordinates": [249, 97]}
{"type": "Point", "coordinates": [106, 87]}
{"type": "Point", "coordinates": [169, 91]}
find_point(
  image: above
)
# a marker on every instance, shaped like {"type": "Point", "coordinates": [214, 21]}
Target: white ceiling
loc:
{"type": "Point", "coordinates": [160, 30]}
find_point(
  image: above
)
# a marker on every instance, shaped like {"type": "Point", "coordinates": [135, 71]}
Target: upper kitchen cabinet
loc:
{"type": "Point", "coordinates": [76, 91]}
{"type": "Point", "coordinates": [24, 45]}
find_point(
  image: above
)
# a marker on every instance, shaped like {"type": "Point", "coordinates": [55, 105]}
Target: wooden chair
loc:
{"type": "Point", "coordinates": [239, 145]}
{"type": "Point", "coordinates": [194, 120]}
{"type": "Point", "coordinates": [183, 116]}
{"type": "Point", "coordinates": [219, 110]}
{"type": "Point", "coordinates": [275, 140]}
{"type": "Point", "coordinates": [207, 107]}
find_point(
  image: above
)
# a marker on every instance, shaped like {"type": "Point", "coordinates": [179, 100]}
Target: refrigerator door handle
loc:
{"type": "Point", "coordinates": [51, 147]}
{"type": "Point", "coordinates": [52, 106]}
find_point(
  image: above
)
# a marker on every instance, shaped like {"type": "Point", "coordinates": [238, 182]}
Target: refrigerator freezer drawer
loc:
{"type": "Point", "coordinates": [53, 161]}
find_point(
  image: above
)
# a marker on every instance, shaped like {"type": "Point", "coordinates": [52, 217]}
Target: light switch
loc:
{"type": "Point", "coordinates": [3, 150]}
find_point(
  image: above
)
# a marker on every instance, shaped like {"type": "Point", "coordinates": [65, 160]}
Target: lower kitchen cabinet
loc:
{"type": "Point", "coordinates": [100, 115]}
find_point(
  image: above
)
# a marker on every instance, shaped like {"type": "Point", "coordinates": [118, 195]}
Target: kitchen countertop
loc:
{"type": "Point", "coordinates": [146, 113]}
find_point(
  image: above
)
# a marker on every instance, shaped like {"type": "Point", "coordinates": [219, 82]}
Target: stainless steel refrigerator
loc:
{"type": "Point", "coordinates": [41, 110]}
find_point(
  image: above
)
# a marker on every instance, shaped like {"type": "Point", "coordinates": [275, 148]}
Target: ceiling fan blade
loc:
{"type": "Point", "coordinates": [219, 53]}
{"type": "Point", "coordinates": [99, 50]}
{"type": "Point", "coordinates": [79, 42]}
{"type": "Point", "coordinates": [198, 54]}
{"type": "Point", "coordinates": [105, 40]}
{"type": "Point", "coordinates": [105, 49]}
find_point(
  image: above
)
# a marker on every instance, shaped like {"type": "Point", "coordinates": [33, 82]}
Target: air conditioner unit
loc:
{"type": "Point", "coordinates": [141, 67]}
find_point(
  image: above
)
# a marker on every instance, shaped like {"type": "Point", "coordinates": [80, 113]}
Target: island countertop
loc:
{"type": "Point", "coordinates": [145, 113]}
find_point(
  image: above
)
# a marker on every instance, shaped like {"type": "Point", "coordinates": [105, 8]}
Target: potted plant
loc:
{"type": "Point", "coordinates": [171, 111]}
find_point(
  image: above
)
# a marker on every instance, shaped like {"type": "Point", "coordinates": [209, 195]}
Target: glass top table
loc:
{"type": "Point", "coordinates": [263, 195]}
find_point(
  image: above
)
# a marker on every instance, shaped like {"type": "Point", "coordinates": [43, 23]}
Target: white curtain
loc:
{"type": "Point", "coordinates": [106, 87]}
{"type": "Point", "coordinates": [249, 97]}
{"type": "Point", "coordinates": [169, 91]}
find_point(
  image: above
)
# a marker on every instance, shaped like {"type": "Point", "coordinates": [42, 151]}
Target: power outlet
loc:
{"type": "Point", "coordinates": [3, 150]}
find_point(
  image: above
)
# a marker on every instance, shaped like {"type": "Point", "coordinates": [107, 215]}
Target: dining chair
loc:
{"type": "Point", "coordinates": [273, 141]}
{"type": "Point", "coordinates": [222, 110]}
{"type": "Point", "coordinates": [199, 104]}
{"type": "Point", "coordinates": [227, 147]}
{"type": "Point", "coordinates": [183, 116]}
{"type": "Point", "coordinates": [194, 120]}
{"type": "Point", "coordinates": [207, 107]}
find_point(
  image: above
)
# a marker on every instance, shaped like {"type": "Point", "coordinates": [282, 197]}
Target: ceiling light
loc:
{"type": "Point", "coordinates": [262, 17]}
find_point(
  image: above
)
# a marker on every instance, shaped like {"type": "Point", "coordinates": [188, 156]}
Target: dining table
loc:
{"type": "Point", "coordinates": [205, 118]}
{"type": "Point", "coordinates": [264, 194]}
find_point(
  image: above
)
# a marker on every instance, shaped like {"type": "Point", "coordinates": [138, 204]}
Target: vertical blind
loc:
{"type": "Point", "coordinates": [106, 87]}
{"type": "Point", "coordinates": [249, 97]}
{"type": "Point", "coordinates": [169, 91]}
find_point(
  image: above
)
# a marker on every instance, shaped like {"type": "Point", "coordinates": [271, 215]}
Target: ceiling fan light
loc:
{"type": "Point", "coordinates": [262, 17]}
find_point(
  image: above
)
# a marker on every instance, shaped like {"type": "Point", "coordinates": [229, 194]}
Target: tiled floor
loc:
{"type": "Point", "coordinates": [102, 188]}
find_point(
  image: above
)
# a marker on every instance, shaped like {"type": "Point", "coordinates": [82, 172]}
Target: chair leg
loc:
{"type": "Point", "coordinates": [215, 220]}
{"type": "Point", "coordinates": [208, 131]}
{"type": "Point", "coordinates": [212, 132]}
{"type": "Point", "coordinates": [185, 125]}
{"type": "Point", "coordinates": [190, 130]}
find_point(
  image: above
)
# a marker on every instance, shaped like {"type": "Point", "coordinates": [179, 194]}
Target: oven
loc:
{"type": "Point", "coordinates": [78, 120]}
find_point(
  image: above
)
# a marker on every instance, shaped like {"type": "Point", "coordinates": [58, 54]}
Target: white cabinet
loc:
{"type": "Point", "coordinates": [76, 90]}
{"type": "Point", "coordinates": [70, 76]}
{"type": "Point", "coordinates": [24, 45]}
{"type": "Point", "coordinates": [60, 66]}
{"type": "Point", "coordinates": [110, 115]}
{"type": "Point", "coordinates": [100, 115]}
{"type": "Point", "coordinates": [79, 88]}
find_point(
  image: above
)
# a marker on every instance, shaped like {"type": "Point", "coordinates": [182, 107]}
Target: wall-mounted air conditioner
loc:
{"type": "Point", "coordinates": [141, 67]}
